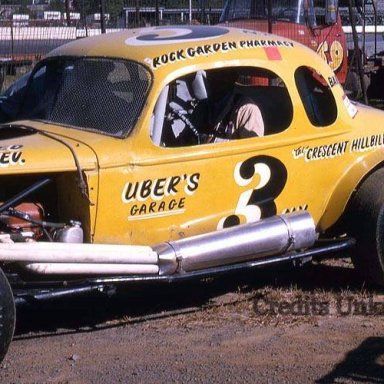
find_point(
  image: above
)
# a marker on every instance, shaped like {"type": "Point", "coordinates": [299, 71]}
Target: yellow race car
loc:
{"type": "Point", "coordinates": [172, 153]}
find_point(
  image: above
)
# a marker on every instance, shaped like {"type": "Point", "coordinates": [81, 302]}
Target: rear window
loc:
{"type": "Point", "coordinates": [97, 94]}
{"type": "Point", "coordinates": [316, 96]}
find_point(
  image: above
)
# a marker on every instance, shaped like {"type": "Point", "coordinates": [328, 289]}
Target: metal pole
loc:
{"type": "Point", "coordinates": [364, 25]}
{"type": "Point", "coordinates": [357, 52]}
{"type": "Point", "coordinates": [12, 41]}
{"type": "Point", "coordinates": [374, 4]}
{"type": "Point", "coordinates": [269, 16]}
{"type": "Point", "coordinates": [190, 11]}
{"type": "Point", "coordinates": [203, 21]}
{"type": "Point", "coordinates": [137, 14]}
{"type": "Point", "coordinates": [157, 12]}
{"type": "Point", "coordinates": [67, 14]}
{"type": "Point", "coordinates": [102, 16]}
{"type": "Point", "coordinates": [84, 18]}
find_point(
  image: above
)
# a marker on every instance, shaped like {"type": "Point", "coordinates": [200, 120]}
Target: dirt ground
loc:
{"type": "Point", "coordinates": [315, 324]}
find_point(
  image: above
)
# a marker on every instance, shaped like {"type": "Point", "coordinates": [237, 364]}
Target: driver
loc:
{"type": "Point", "coordinates": [231, 116]}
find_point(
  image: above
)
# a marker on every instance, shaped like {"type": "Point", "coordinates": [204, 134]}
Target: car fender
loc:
{"type": "Point", "coordinates": [347, 185]}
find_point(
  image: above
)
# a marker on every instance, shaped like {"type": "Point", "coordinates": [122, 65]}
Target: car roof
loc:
{"type": "Point", "coordinates": [177, 46]}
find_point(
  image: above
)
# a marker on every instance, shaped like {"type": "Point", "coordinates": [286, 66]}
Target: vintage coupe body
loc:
{"type": "Point", "coordinates": [113, 170]}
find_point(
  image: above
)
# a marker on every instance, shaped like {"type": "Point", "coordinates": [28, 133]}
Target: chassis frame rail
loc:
{"type": "Point", "coordinates": [35, 291]}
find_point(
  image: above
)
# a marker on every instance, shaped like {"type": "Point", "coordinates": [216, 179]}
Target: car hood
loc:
{"type": "Point", "coordinates": [26, 150]}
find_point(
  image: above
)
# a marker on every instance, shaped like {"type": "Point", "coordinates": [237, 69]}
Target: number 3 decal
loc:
{"type": "Point", "coordinates": [259, 201]}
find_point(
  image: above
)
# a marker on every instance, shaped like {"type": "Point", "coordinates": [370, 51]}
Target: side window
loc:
{"type": "Point", "coordinates": [219, 105]}
{"type": "Point", "coordinates": [316, 96]}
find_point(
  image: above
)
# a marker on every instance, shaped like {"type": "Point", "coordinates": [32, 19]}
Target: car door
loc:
{"type": "Point", "coordinates": [191, 178]}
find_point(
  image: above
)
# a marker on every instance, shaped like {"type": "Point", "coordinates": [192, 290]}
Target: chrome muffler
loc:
{"type": "Point", "coordinates": [272, 236]}
{"type": "Point", "coordinates": [269, 237]}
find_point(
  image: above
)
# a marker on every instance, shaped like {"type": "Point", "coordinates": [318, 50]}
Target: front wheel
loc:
{"type": "Point", "coordinates": [7, 315]}
{"type": "Point", "coordinates": [366, 221]}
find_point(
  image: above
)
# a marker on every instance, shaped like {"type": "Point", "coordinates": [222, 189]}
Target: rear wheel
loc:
{"type": "Point", "coordinates": [7, 315]}
{"type": "Point", "coordinates": [367, 226]}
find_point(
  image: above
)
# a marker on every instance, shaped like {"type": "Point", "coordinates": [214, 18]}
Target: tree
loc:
{"type": "Point", "coordinates": [88, 7]}
{"type": "Point", "coordinates": [56, 5]}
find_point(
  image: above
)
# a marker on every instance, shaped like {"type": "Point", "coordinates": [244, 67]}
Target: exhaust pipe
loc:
{"type": "Point", "coordinates": [91, 269]}
{"type": "Point", "coordinates": [272, 236]}
{"type": "Point", "coordinates": [81, 259]}
{"type": "Point", "coordinates": [45, 252]}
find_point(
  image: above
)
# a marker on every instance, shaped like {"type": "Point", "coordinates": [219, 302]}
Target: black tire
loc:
{"type": "Point", "coordinates": [7, 315]}
{"type": "Point", "coordinates": [366, 219]}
